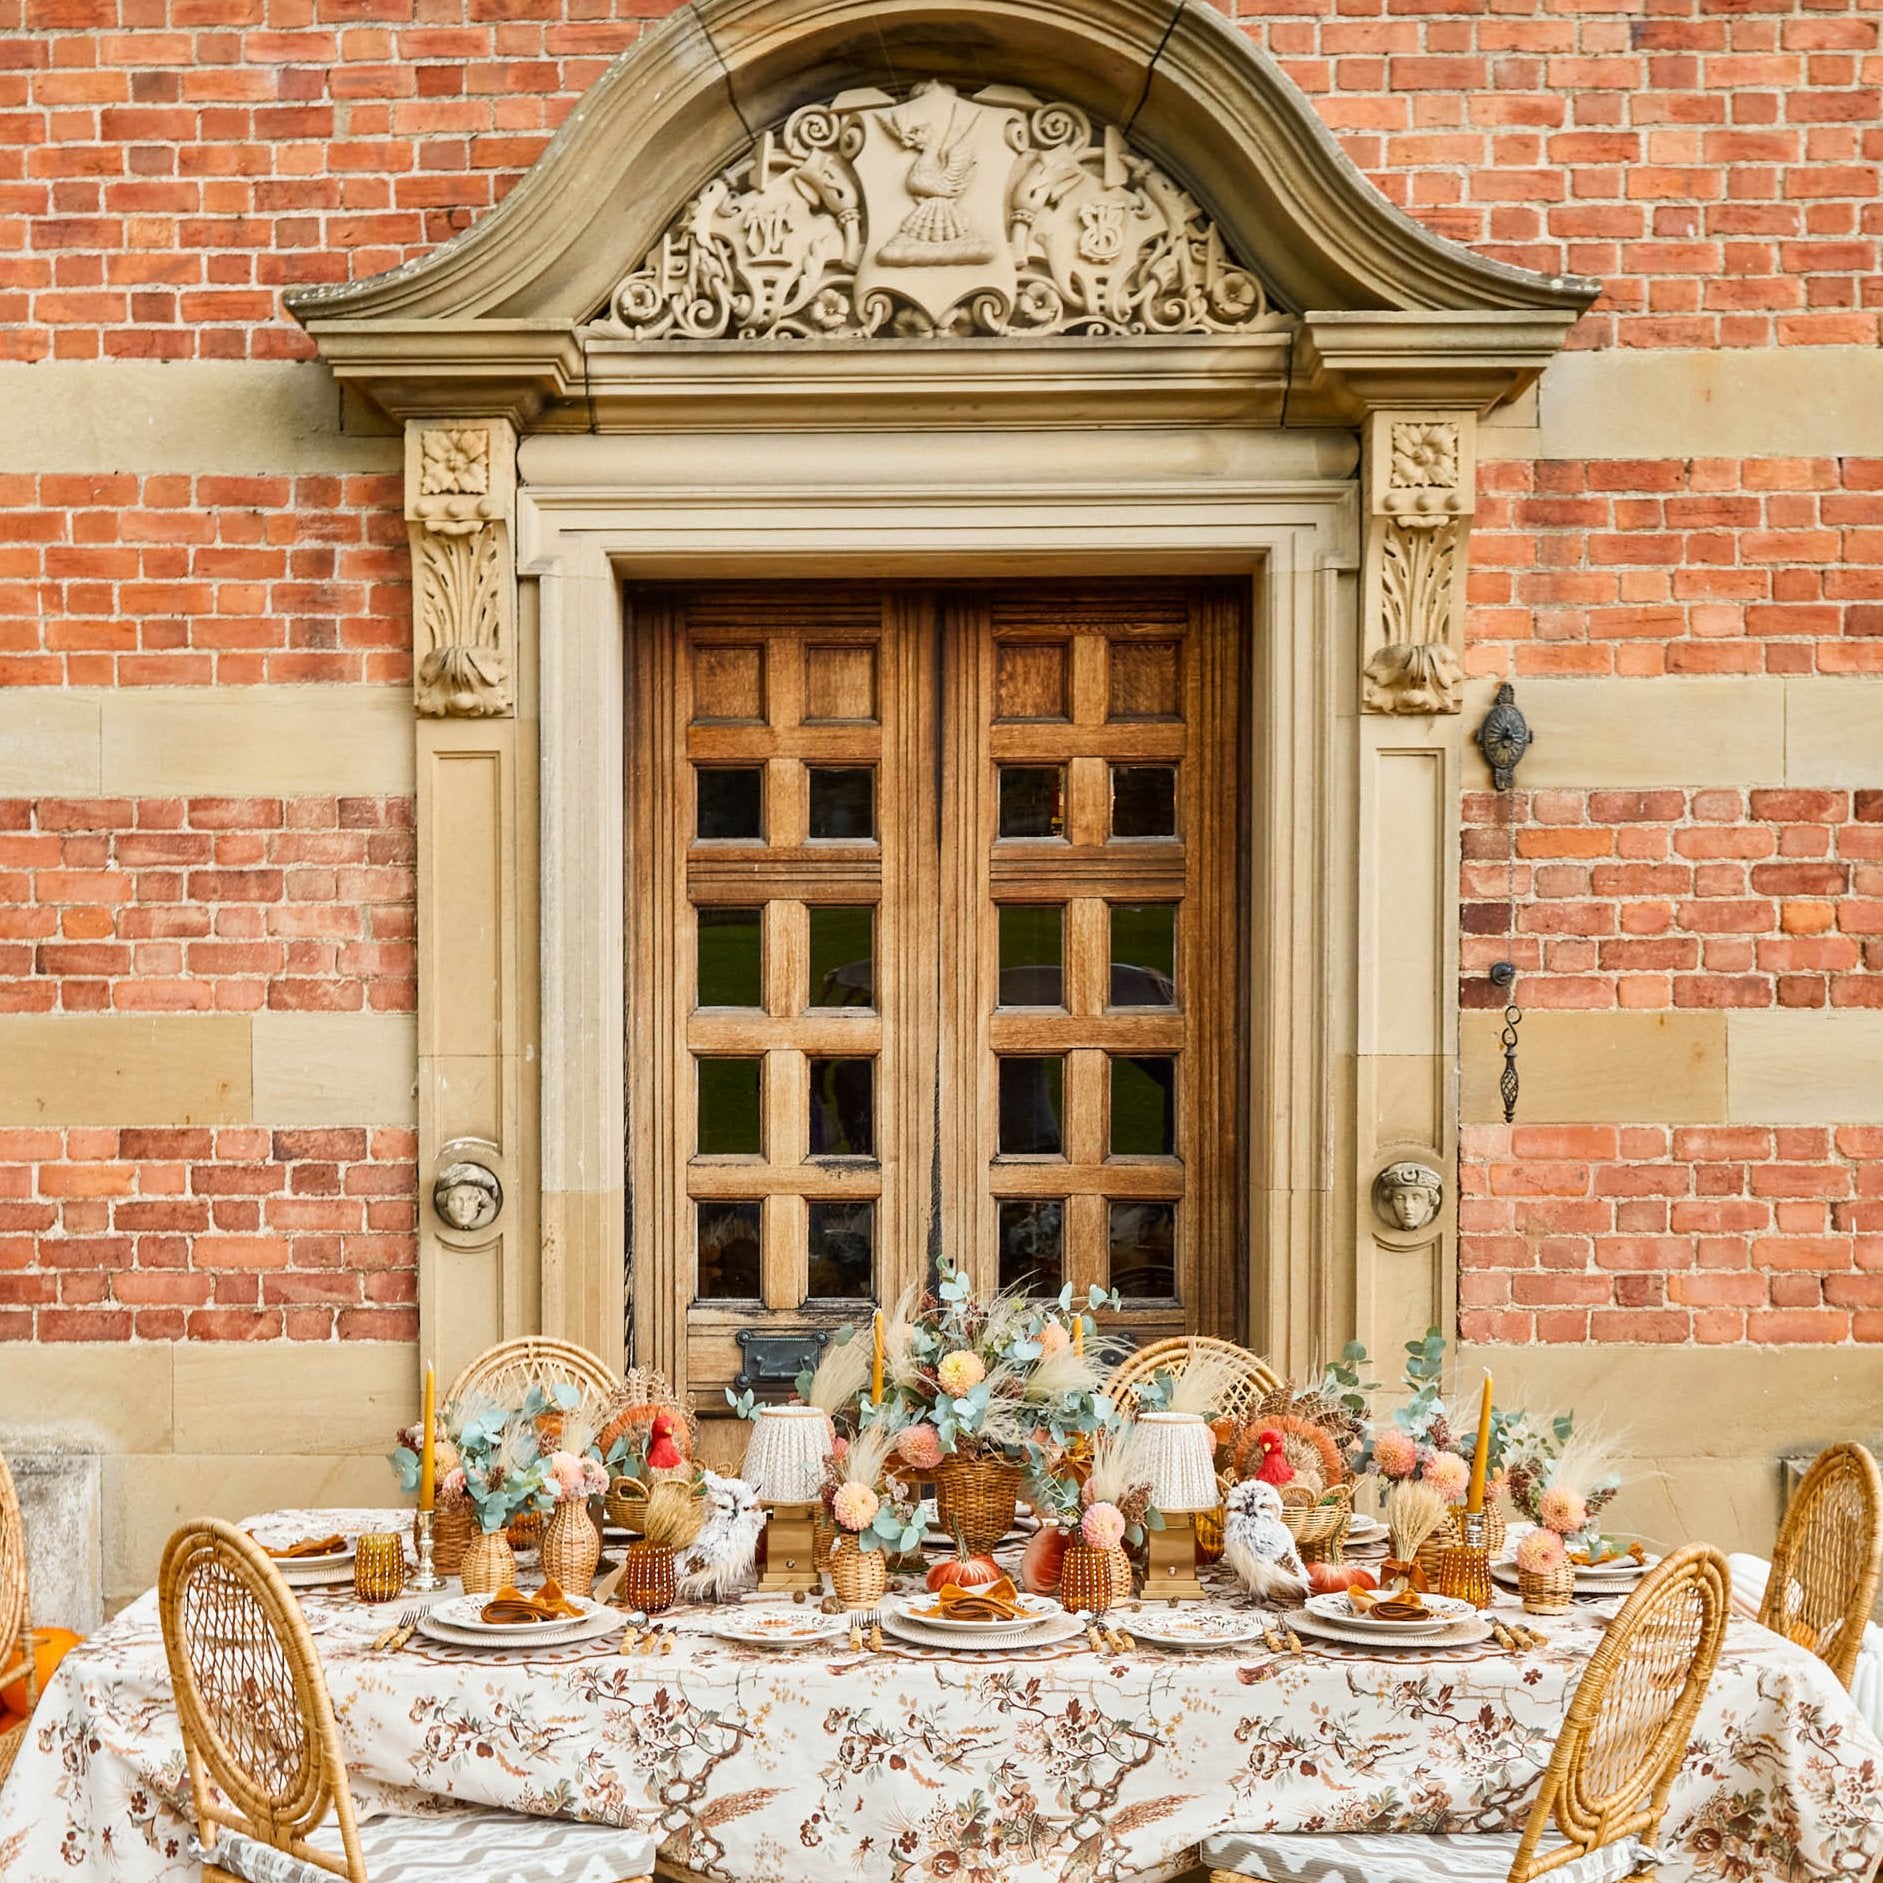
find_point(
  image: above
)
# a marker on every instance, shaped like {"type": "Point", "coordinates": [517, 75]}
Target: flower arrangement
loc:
{"type": "Point", "coordinates": [866, 1500]}
{"type": "Point", "coordinates": [1564, 1479]}
{"type": "Point", "coordinates": [1541, 1552]}
{"type": "Point", "coordinates": [1420, 1441]}
{"type": "Point", "coordinates": [502, 1467]}
{"type": "Point", "coordinates": [404, 1456]}
{"type": "Point", "coordinates": [1113, 1505]}
{"type": "Point", "coordinates": [1012, 1378]}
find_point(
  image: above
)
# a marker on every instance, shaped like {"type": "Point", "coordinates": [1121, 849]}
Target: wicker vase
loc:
{"type": "Point", "coordinates": [823, 1537]}
{"type": "Point", "coordinates": [489, 1564]}
{"type": "Point", "coordinates": [1432, 1553]}
{"type": "Point", "coordinates": [453, 1526]}
{"type": "Point", "coordinates": [1094, 1579]}
{"type": "Point", "coordinates": [1547, 1591]}
{"type": "Point", "coordinates": [858, 1577]}
{"type": "Point", "coordinates": [647, 1580]}
{"type": "Point", "coordinates": [572, 1546]}
{"type": "Point", "coordinates": [975, 1499]}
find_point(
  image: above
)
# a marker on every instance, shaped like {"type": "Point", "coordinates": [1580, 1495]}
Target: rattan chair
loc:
{"type": "Point", "coordinates": [1257, 1378]}
{"type": "Point", "coordinates": [258, 1728]}
{"type": "Point", "coordinates": [1828, 1559]}
{"type": "Point", "coordinates": [21, 1683]}
{"type": "Point", "coordinates": [508, 1370]}
{"type": "Point", "coordinates": [1607, 1784]}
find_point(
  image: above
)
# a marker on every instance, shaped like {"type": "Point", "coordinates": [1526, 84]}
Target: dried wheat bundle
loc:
{"type": "Point", "coordinates": [842, 1376]}
{"type": "Point", "coordinates": [1414, 1511]}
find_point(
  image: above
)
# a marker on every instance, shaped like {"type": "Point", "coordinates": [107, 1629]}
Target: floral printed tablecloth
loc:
{"type": "Point", "coordinates": [769, 1767]}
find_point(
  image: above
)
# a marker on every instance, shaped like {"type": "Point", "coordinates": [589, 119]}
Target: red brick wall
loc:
{"type": "Point", "coordinates": [239, 1233]}
{"type": "Point", "coordinates": [167, 166]}
{"type": "Point", "coordinates": [200, 905]}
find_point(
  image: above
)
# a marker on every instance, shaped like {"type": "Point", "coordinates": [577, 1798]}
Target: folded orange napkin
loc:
{"type": "Point", "coordinates": [1387, 1605]}
{"type": "Point", "coordinates": [991, 1601]}
{"type": "Point", "coordinates": [310, 1546]}
{"type": "Point", "coordinates": [512, 1605]}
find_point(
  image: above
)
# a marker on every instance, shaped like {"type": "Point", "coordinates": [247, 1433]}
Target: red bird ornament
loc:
{"type": "Point", "coordinates": [1274, 1468]}
{"type": "Point", "coordinates": [662, 1453]}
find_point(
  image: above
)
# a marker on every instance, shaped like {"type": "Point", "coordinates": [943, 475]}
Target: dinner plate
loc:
{"type": "Point", "coordinates": [1606, 1581]}
{"type": "Point", "coordinates": [1441, 1610]}
{"type": "Point", "coordinates": [1458, 1634]}
{"type": "Point", "coordinates": [1045, 1632]}
{"type": "Point", "coordinates": [792, 1627]}
{"type": "Point", "coordinates": [596, 1622]}
{"type": "Point", "coordinates": [342, 1558]}
{"type": "Point", "coordinates": [1033, 1608]}
{"type": "Point", "coordinates": [465, 1614]}
{"type": "Point", "coordinates": [1366, 1530]}
{"type": "Point", "coordinates": [1187, 1627]}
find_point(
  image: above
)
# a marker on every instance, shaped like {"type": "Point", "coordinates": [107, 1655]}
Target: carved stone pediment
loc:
{"type": "Point", "coordinates": [937, 214]}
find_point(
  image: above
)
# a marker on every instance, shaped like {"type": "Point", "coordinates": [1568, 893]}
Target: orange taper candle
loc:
{"type": "Point", "coordinates": [427, 1442]}
{"type": "Point", "coordinates": [1482, 1457]}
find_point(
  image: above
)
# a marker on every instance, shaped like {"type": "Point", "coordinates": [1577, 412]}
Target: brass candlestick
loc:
{"type": "Point", "coordinates": [427, 1579]}
{"type": "Point", "coordinates": [1464, 1569]}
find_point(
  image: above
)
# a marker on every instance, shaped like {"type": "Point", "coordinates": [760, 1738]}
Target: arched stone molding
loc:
{"type": "Point", "coordinates": [1325, 447]}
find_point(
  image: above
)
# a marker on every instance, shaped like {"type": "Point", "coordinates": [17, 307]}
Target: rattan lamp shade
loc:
{"type": "Point", "coordinates": [784, 1459]}
{"type": "Point", "coordinates": [1182, 1455]}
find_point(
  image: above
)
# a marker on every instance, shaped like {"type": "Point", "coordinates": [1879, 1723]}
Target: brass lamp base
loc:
{"type": "Point", "coordinates": [1170, 1562]}
{"type": "Point", "coordinates": [790, 1550]}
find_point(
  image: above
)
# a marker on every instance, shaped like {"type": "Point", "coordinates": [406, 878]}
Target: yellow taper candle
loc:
{"type": "Point", "coordinates": [876, 1364]}
{"type": "Point", "coordinates": [1482, 1457]}
{"type": "Point", "coordinates": [1078, 1333]}
{"type": "Point", "coordinates": [427, 1442]}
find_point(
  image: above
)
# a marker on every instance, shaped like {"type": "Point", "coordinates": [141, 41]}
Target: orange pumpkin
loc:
{"type": "Point", "coordinates": [1043, 1559]}
{"type": "Point", "coordinates": [964, 1572]}
{"type": "Point", "coordinates": [50, 1647]}
{"type": "Point", "coordinates": [1336, 1578]}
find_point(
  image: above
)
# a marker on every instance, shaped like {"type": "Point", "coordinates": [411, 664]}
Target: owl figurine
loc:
{"type": "Point", "coordinates": [723, 1558]}
{"type": "Point", "coordinates": [1257, 1545]}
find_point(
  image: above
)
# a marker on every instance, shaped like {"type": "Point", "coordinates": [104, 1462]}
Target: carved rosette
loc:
{"type": "Point", "coordinates": [460, 485]}
{"type": "Point", "coordinates": [937, 214]}
{"type": "Point", "coordinates": [1420, 475]}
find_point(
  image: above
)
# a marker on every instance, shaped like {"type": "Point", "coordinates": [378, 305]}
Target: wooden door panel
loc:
{"type": "Point", "coordinates": [933, 918]}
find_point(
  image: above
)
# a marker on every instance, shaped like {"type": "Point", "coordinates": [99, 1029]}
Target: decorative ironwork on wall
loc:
{"type": "Point", "coordinates": [938, 214]}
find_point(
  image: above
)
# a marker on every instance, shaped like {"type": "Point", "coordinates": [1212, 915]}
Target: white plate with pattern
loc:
{"type": "Point", "coordinates": [1045, 1632]}
{"type": "Point", "coordinates": [1440, 1612]}
{"type": "Point", "coordinates": [465, 1615]}
{"type": "Point", "coordinates": [587, 1627]}
{"type": "Point", "coordinates": [1033, 1609]}
{"type": "Point", "coordinates": [1187, 1627]}
{"type": "Point", "coordinates": [1458, 1634]}
{"type": "Point", "coordinates": [1608, 1579]}
{"type": "Point", "coordinates": [791, 1627]}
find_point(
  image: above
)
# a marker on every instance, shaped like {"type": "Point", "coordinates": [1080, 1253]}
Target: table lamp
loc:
{"type": "Point", "coordinates": [1181, 1452]}
{"type": "Point", "coordinates": [784, 1463]}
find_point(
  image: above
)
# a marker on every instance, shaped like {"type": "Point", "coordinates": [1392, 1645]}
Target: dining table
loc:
{"type": "Point", "coordinates": [904, 1763]}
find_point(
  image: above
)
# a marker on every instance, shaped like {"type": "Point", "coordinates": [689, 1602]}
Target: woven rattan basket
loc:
{"type": "Point", "coordinates": [823, 1537]}
{"type": "Point", "coordinates": [489, 1564]}
{"type": "Point", "coordinates": [1547, 1591]}
{"type": "Point", "coordinates": [975, 1499]}
{"type": "Point", "coordinates": [1094, 1579]}
{"type": "Point", "coordinates": [572, 1546]}
{"type": "Point", "coordinates": [858, 1577]}
{"type": "Point", "coordinates": [1320, 1529]}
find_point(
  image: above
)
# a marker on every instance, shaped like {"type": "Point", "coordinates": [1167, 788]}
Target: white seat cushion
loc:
{"type": "Point", "coordinates": [1392, 1858]}
{"type": "Point", "coordinates": [474, 1846]}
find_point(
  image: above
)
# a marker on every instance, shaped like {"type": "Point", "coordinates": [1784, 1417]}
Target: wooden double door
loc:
{"type": "Point", "coordinates": [934, 913]}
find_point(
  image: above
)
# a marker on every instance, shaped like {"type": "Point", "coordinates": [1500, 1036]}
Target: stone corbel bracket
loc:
{"type": "Point", "coordinates": [460, 505]}
{"type": "Point", "coordinates": [1419, 472]}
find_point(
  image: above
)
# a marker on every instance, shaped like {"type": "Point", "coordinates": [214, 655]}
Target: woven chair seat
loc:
{"type": "Point", "coordinates": [1368, 1858]}
{"type": "Point", "coordinates": [475, 1846]}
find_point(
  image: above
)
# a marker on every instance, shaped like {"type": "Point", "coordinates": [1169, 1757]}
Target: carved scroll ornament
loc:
{"type": "Point", "coordinates": [460, 482]}
{"type": "Point", "coordinates": [937, 215]}
{"type": "Point", "coordinates": [1420, 477]}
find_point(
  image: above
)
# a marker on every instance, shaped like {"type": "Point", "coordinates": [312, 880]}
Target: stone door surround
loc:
{"type": "Point", "coordinates": [937, 287]}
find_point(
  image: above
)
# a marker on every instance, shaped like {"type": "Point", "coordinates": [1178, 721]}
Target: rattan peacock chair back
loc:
{"type": "Point", "coordinates": [1255, 1378]}
{"type": "Point", "coordinates": [1626, 1734]}
{"type": "Point", "coordinates": [1828, 1558]}
{"type": "Point", "coordinates": [506, 1372]}
{"type": "Point", "coordinates": [257, 1724]}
